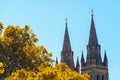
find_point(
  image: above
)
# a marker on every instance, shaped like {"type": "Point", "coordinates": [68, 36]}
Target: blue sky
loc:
{"type": "Point", "coordinates": [47, 20]}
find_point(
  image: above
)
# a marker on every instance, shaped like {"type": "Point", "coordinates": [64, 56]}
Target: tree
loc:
{"type": "Point", "coordinates": [58, 72]}
{"type": "Point", "coordinates": [18, 50]}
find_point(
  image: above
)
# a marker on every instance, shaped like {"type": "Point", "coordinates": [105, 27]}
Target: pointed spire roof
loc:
{"type": "Point", "coordinates": [105, 57]}
{"type": "Point", "coordinates": [92, 36]}
{"type": "Point", "coordinates": [66, 43]}
{"type": "Point", "coordinates": [77, 63]}
{"type": "Point", "coordinates": [56, 60]}
{"type": "Point", "coordinates": [82, 58]}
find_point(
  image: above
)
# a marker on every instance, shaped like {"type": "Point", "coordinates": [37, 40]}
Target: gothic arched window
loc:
{"type": "Point", "coordinates": [98, 77]}
{"type": "Point", "coordinates": [103, 77]}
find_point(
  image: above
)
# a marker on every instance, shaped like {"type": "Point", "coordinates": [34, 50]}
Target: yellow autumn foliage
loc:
{"type": "Point", "coordinates": [18, 50]}
{"type": "Point", "coordinates": [58, 72]}
{"type": "Point", "coordinates": [1, 68]}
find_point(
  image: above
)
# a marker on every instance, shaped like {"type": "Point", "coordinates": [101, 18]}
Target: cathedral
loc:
{"type": "Point", "coordinates": [93, 63]}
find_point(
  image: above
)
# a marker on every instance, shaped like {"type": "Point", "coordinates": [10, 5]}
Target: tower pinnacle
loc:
{"type": "Point", "coordinates": [77, 65]}
{"type": "Point", "coordinates": [105, 62]}
{"type": "Point", "coordinates": [82, 60]}
{"type": "Point", "coordinates": [56, 60]}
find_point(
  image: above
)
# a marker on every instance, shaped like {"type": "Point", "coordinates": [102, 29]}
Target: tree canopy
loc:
{"type": "Point", "coordinates": [58, 72]}
{"type": "Point", "coordinates": [18, 49]}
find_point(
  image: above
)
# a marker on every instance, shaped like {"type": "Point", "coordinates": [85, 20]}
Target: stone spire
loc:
{"type": "Point", "coordinates": [93, 47]}
{"type": "Point", "coordinates": [66, 43]}
{"type": "Point", "coordinates": [92, 36]}
{"type": "Point", "coordinates": [67, 53]}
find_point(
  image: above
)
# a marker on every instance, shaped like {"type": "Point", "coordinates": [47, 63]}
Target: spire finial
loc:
{"type": "Point", "coordinates": [77, 65]}
{"type": "Point", "coordinates": [66, 20]}
{"type": "Point", "coordinates": [82, 51]}
{"type": "Point", "coordinates": [92, 12]}
{"type": "Point", "coordinates": [105, 51]}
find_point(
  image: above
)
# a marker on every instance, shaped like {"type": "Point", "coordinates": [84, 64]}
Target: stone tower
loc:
{"type": "Point", "coordinates": [67, 53]}
{"type": "Point", "coordinates": [94, 65]}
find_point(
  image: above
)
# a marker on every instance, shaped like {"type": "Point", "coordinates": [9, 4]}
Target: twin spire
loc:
{"type": "Point", "coordinates": [92, 36]}
{"type": "Point", "coordinates": [93, 50]}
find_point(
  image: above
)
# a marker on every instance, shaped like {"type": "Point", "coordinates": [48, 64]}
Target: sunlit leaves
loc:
{"type": "Point", "coordinates": [58, 72]}
{"type": "Point", "coordinates": [22, 75]}
{"type": "Point", "coordinates": [1, 68]}
{"type": "Point", "coordinates": [18, 50]}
